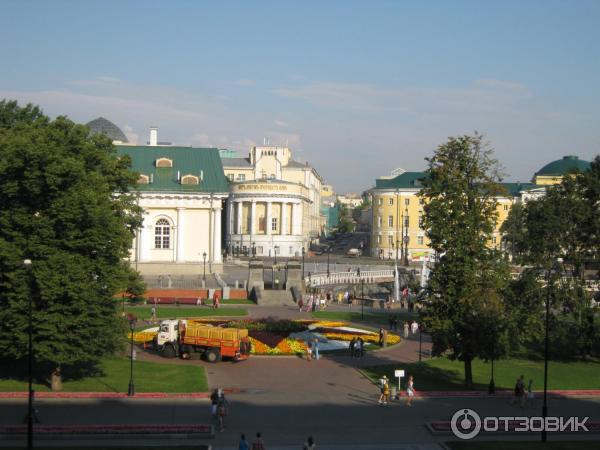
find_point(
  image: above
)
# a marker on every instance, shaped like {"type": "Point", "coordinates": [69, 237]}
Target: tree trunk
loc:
{"type": "Point", "coordinates": [56, 380]}
{"type": "Point", "coordinates": [468, 374]}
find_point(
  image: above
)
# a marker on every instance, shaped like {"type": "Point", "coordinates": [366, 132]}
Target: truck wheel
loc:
{"type": "Point", "coordinates": [213, 355]}
{"type": "Point", "coordinates": [169, 351]}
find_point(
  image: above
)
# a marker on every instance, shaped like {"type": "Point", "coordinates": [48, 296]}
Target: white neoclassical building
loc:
{"type": "Point", "coordinates": [274, 205]}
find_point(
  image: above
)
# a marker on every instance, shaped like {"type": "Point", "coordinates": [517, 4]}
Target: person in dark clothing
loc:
{"type": "Point", "coordinates": [353, 347]}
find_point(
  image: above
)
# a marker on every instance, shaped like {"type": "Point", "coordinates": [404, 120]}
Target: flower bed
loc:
{"type": "Point", "coordinates": [271, 336]}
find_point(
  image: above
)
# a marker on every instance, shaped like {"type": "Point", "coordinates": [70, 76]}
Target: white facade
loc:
{"type": "Point", "coordinates": [179, 228]}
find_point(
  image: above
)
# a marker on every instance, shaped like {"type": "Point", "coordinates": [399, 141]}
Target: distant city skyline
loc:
{"type": "Point", "coordinates": [357, 89]}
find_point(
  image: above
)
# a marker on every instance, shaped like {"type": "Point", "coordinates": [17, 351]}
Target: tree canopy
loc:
{"type": "Point", "coordinates": [65, 204]}
{"type": "Point", "coordinates": [466, 306]}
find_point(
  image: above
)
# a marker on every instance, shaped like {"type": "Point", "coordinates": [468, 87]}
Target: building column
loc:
{"type": "Point", "coordinates": [139, 244]}
{"type": "Point", "coordinates": [284, 222]}
{"type": "Point", "coordinates": [216, 235]}
{"type": "Point", "coordinates": [268, 219]}
{"type": "Point", "coordinates": [238, 227]}
{"type": "Point", "coordinates": [230, 221]}
{"type": "Point", "coordinates": [145, 238]}
{"type": "Point", "coordinates": [253, 218]}
{"type": "Point", "coordinates": [180, 234]}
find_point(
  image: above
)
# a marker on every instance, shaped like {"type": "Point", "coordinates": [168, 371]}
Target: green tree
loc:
{"type": "Point", "coordinates": [513, 233]}
{"type": "Point", "coordinates": [563, 224]}
{"type": "Point", "coordinates": [65, 204]}
{"type": "Point", "coordinates": [466, 284]}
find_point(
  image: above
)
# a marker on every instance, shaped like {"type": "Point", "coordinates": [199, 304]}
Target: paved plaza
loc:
{"type": "Point", "coordinates": [289, 398]}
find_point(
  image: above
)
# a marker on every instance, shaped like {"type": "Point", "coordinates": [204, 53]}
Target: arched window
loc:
{"type": "Point", "coordinates": [163, 162]}
{"type": "Point", "coordinates": [162, 234]}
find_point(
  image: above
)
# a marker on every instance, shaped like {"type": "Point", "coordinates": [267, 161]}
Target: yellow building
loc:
{"type": "Point", "coordinates": [274, 205]}
{"type": "Point", "coordinates": [397, 210]}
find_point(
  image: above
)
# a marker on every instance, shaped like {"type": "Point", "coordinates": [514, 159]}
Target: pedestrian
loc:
{"type": "Point", "coordinates": [381, 336]}
{"type": "Point", "coordinates": [316, 349]}
{"type": "Point", "coordinates": [347, 299]}
{"type": "Point", "coordinates": [519, 391]}
{"type": "Point", "coordinates": [395, 323]}
{"type": "Point", "coordinates": [243, 445]}
{"type": "Point", "coordinates": [530, 394]}
{"type": "Point", "coordinates": [361, 347]}
{"type": "Point", "coordinates": [352, 347]}
{"type": "Point", "coordinates": [214, 401]}
{"type": "Point", "coordinates": [414, 327]}
{"type": "Point", "coordinates": [405, 329]}
{"type": "Point", "coordinates": [153, 312]}
{"type": "Point", "coordinates": [314, 304]}
{"type": "Point", "coordinates": [309, 444]}
{"type": "Point", "coordinates": [383, 382]}
{"type": "Point", "coordinates": [309, 351]}
{"type": "Point", "coordinates": [258, 443]}
{"type": "Point", "coordinates": [222, 412]}
{"type": "Point", "coordinates": [391, 322]}
{"type": "Point", "coordinates": [300, 304]}
{"type": "Point", "coordinates": [410, 390]}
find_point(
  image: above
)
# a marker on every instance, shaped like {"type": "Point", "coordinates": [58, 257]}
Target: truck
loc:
{"type": "Point", "coordinates": [181, 338]}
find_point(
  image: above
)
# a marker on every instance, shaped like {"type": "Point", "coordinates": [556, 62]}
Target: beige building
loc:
{"type": "Point", "coordinates": [274, 203]}
{"type": "Point", "coordinates": [397, 210]}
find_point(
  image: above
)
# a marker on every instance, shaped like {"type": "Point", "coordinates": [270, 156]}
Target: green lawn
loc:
{"type": "Point", "coordinates": [148, 377]}
{"type": "Point", "coordinates": [441, 374]}
{"type": "Point", "coordinates": [173, 312]}
{"type": "Point", "coordinates": [234, 301]}
{"type": "Point", "coordinates": [524, 445]}
{"type": "Point", "coordinates": [369, 317]}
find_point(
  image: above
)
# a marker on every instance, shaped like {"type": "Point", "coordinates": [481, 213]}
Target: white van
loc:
{"type": "Point", "coordinates": [354, 253]}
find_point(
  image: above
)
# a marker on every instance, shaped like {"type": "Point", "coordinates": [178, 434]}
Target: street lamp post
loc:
{"type": "Point", "coordinates": [362, 299]}
{"type": "Point", "coordinates": [204, 273]}
{"type": "Point", "coordinates": [492, 385]}
{"type": "Point", "coordinates": [328, 250]}
{"type": "Point", "coordinates": [406, 219]}
{"type": "Point", "coordinates": [131, 389]}
{"type": "Point", "coordinates": [420, 340]}
{"type": "Point", "coordinates": [546, 344]}
{"type": "Point", "coordinates": [27, 264]}
{"type": "Point", "coordinates": [303, 252]}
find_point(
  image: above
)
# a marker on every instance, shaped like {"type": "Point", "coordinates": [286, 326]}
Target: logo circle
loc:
{"type": "Point", "coordinates": [465, 424]}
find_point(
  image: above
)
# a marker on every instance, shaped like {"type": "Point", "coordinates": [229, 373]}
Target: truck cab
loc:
{"type": "Point", "coordinates": [168, 332]}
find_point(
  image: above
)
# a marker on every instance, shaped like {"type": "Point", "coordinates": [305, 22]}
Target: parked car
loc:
{"type": "Point", "coordinates": [354, 252]}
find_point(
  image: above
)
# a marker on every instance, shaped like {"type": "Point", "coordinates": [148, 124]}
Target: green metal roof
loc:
{"type": "Point", "coordinates": [186, 160]}
{"type": "Point", "coordinates": [405, 180]}
{"type": "Point", "coordinates": [515, 189]}
{"type": "Point", "coordinates": [565, 165]}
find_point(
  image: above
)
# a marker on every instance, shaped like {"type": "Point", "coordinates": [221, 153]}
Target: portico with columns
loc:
{"type": "Point", "coordinates": [265, 217]}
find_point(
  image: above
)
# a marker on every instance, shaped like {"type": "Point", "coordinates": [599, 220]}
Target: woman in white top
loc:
{"type": "Point", "coordinates": [410, 391]}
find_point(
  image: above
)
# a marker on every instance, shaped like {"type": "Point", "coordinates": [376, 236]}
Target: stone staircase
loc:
{"type": "Point", "coordinates": [267, 297]}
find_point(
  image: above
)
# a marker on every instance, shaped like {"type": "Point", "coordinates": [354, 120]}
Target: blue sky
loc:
{"type": "Point", "coordinates": [355, 88]}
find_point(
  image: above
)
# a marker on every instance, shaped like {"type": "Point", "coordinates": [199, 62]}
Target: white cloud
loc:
{"type": "Point", "coordinates": [279, 123]}
{"type": "Point", "coordinates": [485, 95]}
{"type": "Point", "coordinates": [245, 82]}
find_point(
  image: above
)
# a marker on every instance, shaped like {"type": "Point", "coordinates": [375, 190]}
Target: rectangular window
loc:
{"type": "Point", "coordinates": [390, 221]}
{"type": "Point", "coordinates": [259, 250]}
{"type": "Point", "coordinates": [241, 177]}
{"type": "Point", "coordinates": [391, 201]}
{"type": "Point", "coordinates": [274, 224]}
{"type": "Point", "coordinates": [505, 207]}
{"type": "Point", "coordinates": [230, 177]}
{"type": "Point", "coordinates": [390, 240]}
{"type": "Point", "coordinates": [420, 221]}
{"type": "Point", "coordinates": [407, 201]}
{"type": "Point", "coordinates": [291, 251]}
{"type": "Point", "coordinates": [379, 239]}
{"type": "Point", "coordinates": [380, 201]}
{"type": "Point", "coordinates": [379, 221]}
{"type": "Point", "coordinates": [420, 240]}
